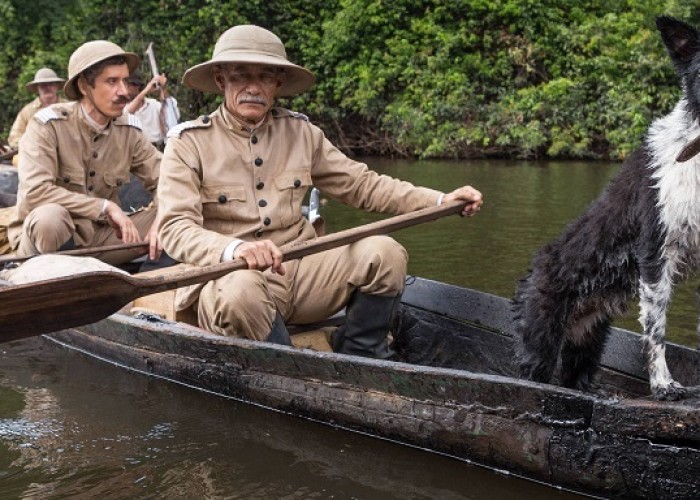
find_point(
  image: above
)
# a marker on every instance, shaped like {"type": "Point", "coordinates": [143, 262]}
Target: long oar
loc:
{"type": "Point", "coordinates": [55, 304]}
{"type": "Point", "coordinates": [79, 251]}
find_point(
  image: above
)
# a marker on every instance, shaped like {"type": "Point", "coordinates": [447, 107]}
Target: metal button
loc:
{"type": "Point", "coordinates": [297, 183]}
{"type": "Point", "coordinates": [260, 185]}
{"type": "Point", "coordinates": [119, 182]}
{"type": "Point", "coordinates": [274, 112]}
{"type": "Point", "coordinates": [92, 173]}
{"type": "Point", "coordinates": [267, 221]}
{"type": "Point", "coordinates": [94, 155]}
{"type": "Point", "coordinates": [262, 203]}
{"type": "Point", "coordinates": [222, 198]}
{"type": "Point", "coordinates": [258, 233]}
{"type": "Point", "coordinates": [64, 113]}
{"type": "Point", "coordinates": [254, 140]}
{"type": "Point", "coordinates": [90, 188]}
{"type": "Point", "coordinates": [205, 119]}
{"type": "Point", "coordinates": [258, 161]}
{"type": "Point", "coordinates": [66, 180]}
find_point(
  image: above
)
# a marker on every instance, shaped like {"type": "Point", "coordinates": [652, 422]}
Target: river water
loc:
{"type": "Point", "coordinates": [74, 426]}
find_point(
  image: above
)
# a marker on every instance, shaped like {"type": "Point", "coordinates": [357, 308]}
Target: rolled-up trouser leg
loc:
{"type": "Point", "coordinates": [238, 305]}
{"type": "Point", "coordinates": [45, 230]}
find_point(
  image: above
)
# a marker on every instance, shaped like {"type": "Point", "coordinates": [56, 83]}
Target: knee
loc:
{"type": "Point", "coordinates": [385, 263]}
{"type": "Point", "coordinates": [243, 288]}
{"type": "Point", "coordinates": [48, 217]}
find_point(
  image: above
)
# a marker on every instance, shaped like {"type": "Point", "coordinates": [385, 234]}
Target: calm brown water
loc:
{"type": "Point", "coordinates": [74, 426]}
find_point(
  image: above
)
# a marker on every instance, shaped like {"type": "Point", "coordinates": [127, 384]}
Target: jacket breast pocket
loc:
{"type": "Point", "coordinates": [222, 201]}
{"type": "Point", "coordinates": [292, 186]}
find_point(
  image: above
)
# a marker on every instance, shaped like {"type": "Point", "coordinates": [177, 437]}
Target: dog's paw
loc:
{"type": "Point", "coordinates": [671, 392]}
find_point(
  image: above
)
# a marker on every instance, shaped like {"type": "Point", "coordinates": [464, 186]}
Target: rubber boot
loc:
{"type": "Point", "coordinates": [367, 322]}
{"type": "Point", "coordinates": [278, 333]}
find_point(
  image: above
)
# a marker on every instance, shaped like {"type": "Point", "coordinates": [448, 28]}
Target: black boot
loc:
{"type": "Point", "coordinates": [278, 332]}
{"type": "Point", "coordinates": [367, 322]}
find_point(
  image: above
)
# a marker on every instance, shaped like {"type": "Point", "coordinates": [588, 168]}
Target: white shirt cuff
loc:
{"type": "Point", "coordinates": [104, 206]}
{"type": "Point", "coordinates": [227, 255]}
{"type": "Point", "coordinates": [439, 201]}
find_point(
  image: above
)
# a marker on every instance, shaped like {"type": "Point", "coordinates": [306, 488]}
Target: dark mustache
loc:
{"type": "Point", "coordinates": [121, 100]}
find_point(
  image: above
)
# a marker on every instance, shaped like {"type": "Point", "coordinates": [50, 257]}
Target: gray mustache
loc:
{"type": "Point", "coordinates": [251, 98]}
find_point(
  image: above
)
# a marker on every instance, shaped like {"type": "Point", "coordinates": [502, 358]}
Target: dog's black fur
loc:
{"type": "Point", "coordinates": [637, 238]}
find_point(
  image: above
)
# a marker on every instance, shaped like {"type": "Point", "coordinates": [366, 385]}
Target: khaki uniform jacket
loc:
{"type": "Point", "coordinates": [219, 181]}
{"type": "Point", "coordinates": [63, 160]}
{"type": "Point", "coordinates": [22, 120]}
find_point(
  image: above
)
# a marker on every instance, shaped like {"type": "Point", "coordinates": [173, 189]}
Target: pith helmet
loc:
{"type": "Point", "coordinates": [248, 44]}
{"type": "Point", "coordinates": [89, 54]}
{"type": "Point", "coordinates": [44, 75]}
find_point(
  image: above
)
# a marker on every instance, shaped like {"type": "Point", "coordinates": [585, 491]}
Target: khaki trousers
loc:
{"type": "Point", "coordinates": [49, 226]}
{"type": "Point", "coordinates": [244, 303]}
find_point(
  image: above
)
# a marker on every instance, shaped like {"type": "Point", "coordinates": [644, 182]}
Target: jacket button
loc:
{"type": "Point", "coordinates": [267, 221]}
{"type": "Point", "coordinates": [90, 188]}
{"type": "Point", "coordinates": [297, 183]}
{"type": "Point", "coordinates": [66, 180]}
{"type": "Point", "coordinates": [254, 140]}
{"type": "Point", "coordinates": [205, 119]}
{"type": "Point", "coordinates": [258, 233]}
{"type": "Point", "coordinates": [262, 203]}
{"type": "Point", "coordinates": [64, 113]}
{"type": "Point", "coordinates": [222, 198]}
{"type": "Point", "coordinates": [260, 185]}
{"type": "Point", "coordinates": [92, 173]}
{"type": "Point", "coordinates": [119, 182]}
{"type": "Point", "coordinates": [94, 155]}
{"type": "Point", "coordinates": [258, 161]}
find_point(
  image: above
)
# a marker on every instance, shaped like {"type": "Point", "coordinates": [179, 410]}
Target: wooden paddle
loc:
{"type": "Point", "coordinates": [47, 306]}
{"type": "Point", "coordinates": [79, 251]}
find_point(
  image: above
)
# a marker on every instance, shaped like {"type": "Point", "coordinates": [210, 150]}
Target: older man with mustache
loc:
{"type": "Point", "coordinates": [74, 157]}
{"type": "Point", "coordinates": [232, 185]}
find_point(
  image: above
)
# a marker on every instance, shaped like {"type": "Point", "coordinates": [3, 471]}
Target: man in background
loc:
{"type": "Point", "coordinates": [46, 84]}
{"type": "Point", "coordinates": [150, 111]}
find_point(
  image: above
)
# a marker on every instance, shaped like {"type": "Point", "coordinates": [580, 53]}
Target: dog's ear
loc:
{"type": "Point", "coordinates": [681, 39]}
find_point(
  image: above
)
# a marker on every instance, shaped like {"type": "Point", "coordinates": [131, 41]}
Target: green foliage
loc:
{"type": "Point", "coordinates": [425, 78]}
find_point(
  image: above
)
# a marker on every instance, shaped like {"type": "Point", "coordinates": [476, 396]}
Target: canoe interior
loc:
{"type": "Point", "coordinates": [453, 327]}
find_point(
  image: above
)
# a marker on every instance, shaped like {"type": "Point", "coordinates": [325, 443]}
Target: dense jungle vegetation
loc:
{"type": "Point", "coordinates": [423, 78]}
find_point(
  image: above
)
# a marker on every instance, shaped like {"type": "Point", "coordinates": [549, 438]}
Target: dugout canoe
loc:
{"type": "Point", "coordinates": [454, 393]}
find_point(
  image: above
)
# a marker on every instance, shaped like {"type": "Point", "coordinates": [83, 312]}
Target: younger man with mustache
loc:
{"type": "Point", "coordinates": [74, 157]}
{"type": "Point", "coordinates": [232, 185]}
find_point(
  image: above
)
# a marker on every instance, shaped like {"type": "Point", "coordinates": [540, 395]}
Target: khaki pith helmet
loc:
{"type": "Point", "coordinates": [44, 75]}
{"type": "Point", "coordinates": [89, 54]}
{"type": "Point", "coordinates": [248, 44]}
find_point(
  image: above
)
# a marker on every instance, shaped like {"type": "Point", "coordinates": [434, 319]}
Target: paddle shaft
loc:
{"type": "Point", "coordinates": [46, 306]}
{"type": "Point", "coordinates": [79, 251]}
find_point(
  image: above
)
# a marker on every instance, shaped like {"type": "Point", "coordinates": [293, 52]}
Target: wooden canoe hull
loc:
{"type": "Point", "coordinates": [631, 447]}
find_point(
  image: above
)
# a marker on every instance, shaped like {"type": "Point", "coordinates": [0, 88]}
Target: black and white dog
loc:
{"type": "Point", "coordinates": [639, 237]}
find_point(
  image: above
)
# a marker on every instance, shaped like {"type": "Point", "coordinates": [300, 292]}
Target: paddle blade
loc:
{"type": "Point", "coordinates": [93, 296]}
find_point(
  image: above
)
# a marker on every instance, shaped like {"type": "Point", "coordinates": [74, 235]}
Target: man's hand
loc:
{"type": "Point", "coordinates": [121, 223]}
{"type": "Point", "coordinates": [155, 247]}
{"type": "Point", "coordinates": [261, 255]}
{"type": "Point", "coordinates": [467, 194]}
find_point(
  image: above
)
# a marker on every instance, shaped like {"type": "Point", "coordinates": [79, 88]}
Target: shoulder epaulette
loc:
{"type": "Point", "coordinates": [129, 120]}
{"type": "Point", "coordinates": [288, 113]}
{"type": "Point", "coordinates": [46, 115]}
{"type": "Point", "coordinates": [201, 122]}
